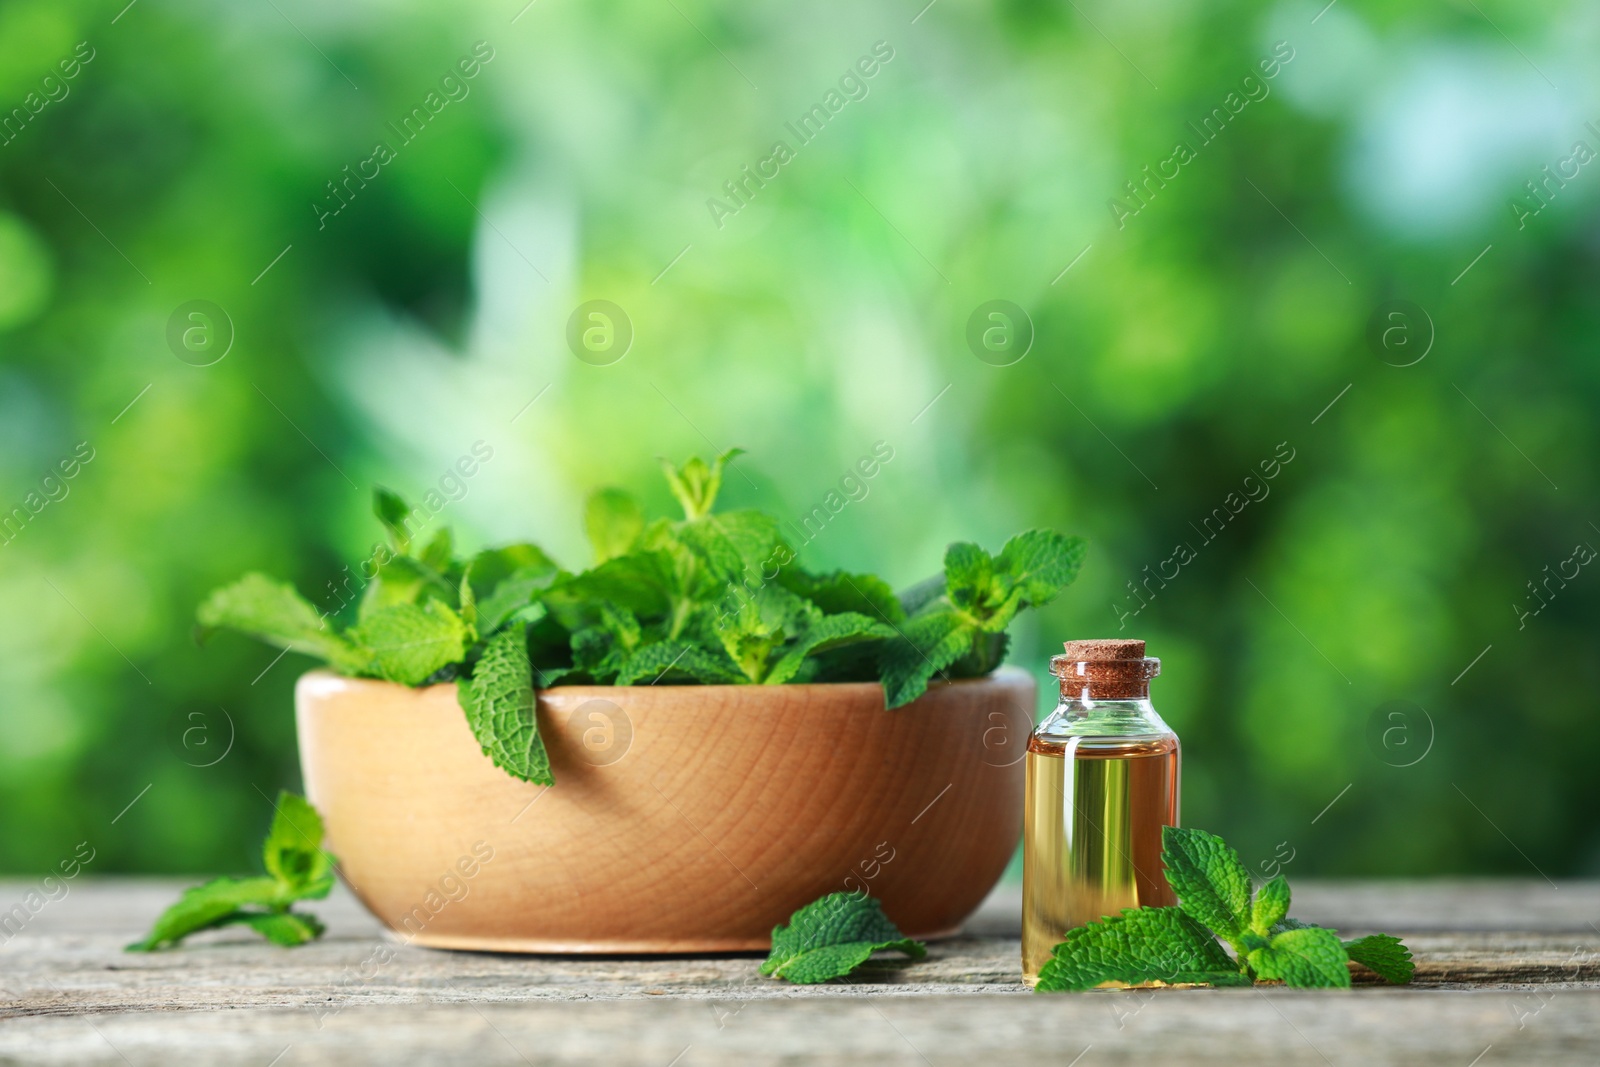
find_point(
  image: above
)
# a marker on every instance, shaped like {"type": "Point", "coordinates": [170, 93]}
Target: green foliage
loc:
{"type": "Point", "coordinates": [1383, 954]}
{"type": "Point", "coordinates": [613, 520]}
{"type": "Point", "coordinates": [1180, 946]}
{"type": "Point", "coordinates": [410, 643]}
{"type": "Point", "coordinates": [1212, 885]}
{"type": "Point", "coordinates": [1142, 946]}
{"type": "Point", "coordinates": [832, 936]}
{"type": "Point", "coordinates": [838, 591]}
{"type": "Point", "coordinates": [500, 583]}
{"type": "Point", "coordinates": [297, 869]}
{"type": "Point", "coordinates": [1270, 907]}
{"type": "Point", "coordinates": [958, 629]}
{"type": "Point", "coordinates": [275, 613]}
{"type": "Point", "coordinates": [498, 700]}
{"type": "Point", "coordinates": [713, 599]}
{"type": "Point", "coordinates": [697, 482]}
{"type": "Point", "coordinates": [393, 512]}
{"type": "Point", "coordinates": [292, 852]}
{"type": "Point", "coordinates": [1308, 958]}
{"type": "Point", "coordinates": [288, 928]}
{"type": "Point", "coordinates": [770, 635]}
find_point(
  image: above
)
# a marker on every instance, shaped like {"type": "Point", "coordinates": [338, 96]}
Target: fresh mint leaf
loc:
{"type": "Point", "coordinates": [206, 906]}
{"type": "Point", "coordinates": [697, 482]}
{"type": "Point", "coordinates": [1213, 886]}
{"type": "Point", "coordinates": [969, 578]}
{"type": "Point", "coordinates": [1031, 570]}
{"type": "Point", "coordinates": [1038, 564]}
{"type": "Point", "coordinates": [498, 582]}
{"type": "Point", "coordinates": [824, 634]}
{"type": "Point", "coordinates": [613, 520]}
{"type": "Point", "coordinates": [499, 703]}
{"type": "Point", "coordinates": [410, 642]}
{"type": "Point", "coordinates": [287, 928]}
{"type": "Point", "coordinates": [394, 513]}
{"type": "Point", "coordinates": [273, 612]}
{"type": "Point", "coordinates": [958, 620]}
{"type": "Point", "coordinates": [831, 937]}
{"type": "Point", "coordinates": [1140, 947]}
{"type": "Point", "coordinates": [603, 649]}
{"type": "Point", "coordinates": [1270, 907]}
{"type": "Point", "coordinates": [924, 646]}
{"type": "Point", "coordinates": [734, 546]}
{"type": "Point", "coordinates": [1307, 958]}
{"type": "Point", "coordinates": [923, 595]}
{"type": "Point", "coordinates": [672, 662]}
{"type": "Point", "coordinates": [297, 869]}
{"type": "Point", "coordinates": [402, 580]}
{"type": "Point", "coordinates": [753, 634]}
{"type": "Point", "coordinates": [773, 631]}
{"type": "Point", "coordinates": [292, 852]}
{"type": "Point", "coordinates": [439, 553]}
{"type": "Point", "coordinates": [839, 592]}
{"type": "Point", "coordinates": [646, 583]}
{"type": "Point", "coordinates": [514, 598]}
{"type": "Point", "coordinates": [1383, 954]}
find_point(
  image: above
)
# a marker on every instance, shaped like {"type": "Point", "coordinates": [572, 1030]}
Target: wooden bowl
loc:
{"type": "Point", "coordinates": [683, 818]}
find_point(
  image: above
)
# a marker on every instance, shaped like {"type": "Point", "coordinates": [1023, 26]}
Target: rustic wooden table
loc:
{"type": "Point", "coordinates": [1508, 972]}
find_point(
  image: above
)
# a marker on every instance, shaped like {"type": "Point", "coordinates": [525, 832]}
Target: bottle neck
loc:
{"type": "Point", "coordinates": [1088, 680]}
{"type": "Point", "coordinates": [1092, 690]}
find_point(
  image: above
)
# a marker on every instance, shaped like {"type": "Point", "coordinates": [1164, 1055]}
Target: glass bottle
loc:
{"type": "Point", "coordinates": [1102, 780]}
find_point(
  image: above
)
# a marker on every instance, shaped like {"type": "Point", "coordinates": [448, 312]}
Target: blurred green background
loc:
{"type": "Point", "coordinates": [1202, 328]}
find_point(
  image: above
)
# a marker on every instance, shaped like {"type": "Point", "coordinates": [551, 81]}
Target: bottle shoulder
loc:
{"type": "Point", "coordinates": [1112, 724]}
{"type": "Point", "coordinates": [1104, 747]}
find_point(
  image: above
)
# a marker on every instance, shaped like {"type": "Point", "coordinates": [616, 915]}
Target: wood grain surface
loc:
{"type": "Point", "coordinates": [1509, 973]}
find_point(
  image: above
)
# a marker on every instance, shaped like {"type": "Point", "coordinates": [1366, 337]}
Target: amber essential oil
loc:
{"type": "Point", "coordinates": [1102, 780]}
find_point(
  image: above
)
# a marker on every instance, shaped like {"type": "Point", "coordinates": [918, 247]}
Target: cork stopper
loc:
{"type": "Point", "coordinates": [1084, 651]}
{"type": "Point", "coordinates": [1105, 669]}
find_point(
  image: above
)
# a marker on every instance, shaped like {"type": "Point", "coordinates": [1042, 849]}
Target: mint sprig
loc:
{"type": "Point", "coordinates": [297, 869]}
{"type": "Point", "coordinates": [832, 936]}
{"type": "Point", "coordinates": [1216, 904]}
{"type": "Point", "coordinates": [957, 628]}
